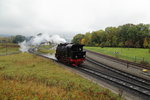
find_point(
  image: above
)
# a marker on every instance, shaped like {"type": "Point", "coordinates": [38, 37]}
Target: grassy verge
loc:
{"type": "Point", "coordinates": [25, 76]}
{"type": "Point", "coordinates": [45, 46]}
{"type": "Point", "coordinates": [131, 54]}
{"type": "Point", "coordinates": [45, 51]}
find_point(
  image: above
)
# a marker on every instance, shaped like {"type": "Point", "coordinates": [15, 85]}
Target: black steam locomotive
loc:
{"type": "Point", "coordinates": [70, 53]}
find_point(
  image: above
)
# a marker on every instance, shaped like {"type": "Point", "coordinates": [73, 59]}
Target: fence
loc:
{"type": "Point", "coordinates": [8, 50]}
{"type": "Point", "coordinates": [120, 56]}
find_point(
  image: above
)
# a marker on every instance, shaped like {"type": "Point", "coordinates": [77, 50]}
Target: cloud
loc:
{"type": "Point", "coordinates": [69, 16]}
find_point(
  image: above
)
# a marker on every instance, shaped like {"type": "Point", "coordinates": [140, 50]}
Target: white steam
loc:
{"type": "Point", "coordinates": [24, 46]}
{"type": "Point", "coordinates": [39, 39]}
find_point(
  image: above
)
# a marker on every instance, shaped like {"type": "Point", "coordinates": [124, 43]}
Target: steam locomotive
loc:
{"type": "Point", "coordinates": [70, 53]}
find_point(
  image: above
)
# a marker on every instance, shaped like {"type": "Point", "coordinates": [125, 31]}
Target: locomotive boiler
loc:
{"type": "Point", "coordinates": [70, 53]}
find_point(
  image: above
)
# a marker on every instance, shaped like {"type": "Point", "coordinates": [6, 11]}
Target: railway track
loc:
{"type": "Point", "coordinates": [121, 79]}
{"type": "Point", "coordinates": [133, 77]}
{"type": "Point", "coordinates": [115, 76]}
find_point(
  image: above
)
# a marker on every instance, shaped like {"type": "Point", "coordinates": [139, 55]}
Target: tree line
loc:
{"type": "Point", "coordinates": [13, 39]}
{"type": "Point", "coordinates": [127, 35]}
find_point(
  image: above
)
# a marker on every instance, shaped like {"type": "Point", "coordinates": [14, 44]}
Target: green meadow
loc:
{"type": "Point", "coordinates": [46, 49]}
{"type": "Point", "coordinates": [131, 54]}
{"type": "Point", "coordinates": [29, 77]}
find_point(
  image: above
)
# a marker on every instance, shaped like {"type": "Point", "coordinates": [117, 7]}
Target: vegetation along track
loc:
{"type": "Point", "coordinates": [116, 76]}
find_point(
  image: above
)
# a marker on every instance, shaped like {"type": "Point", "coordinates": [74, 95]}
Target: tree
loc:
{"type": "Point", "coordinates": [95, 38]}
{"type": "Point", "coordinates": [129, 35]}
{"type": "Point", "coordinates": [107, 44]}
{"type": "Point", "coordinates": [87, 38]}
{"type": "Point", "coordinates": [82, 41]}
{"type": "Point", "coordinates": [137, 44]}
{"type": "Point", "coordinates": [18, 39]}
{"type": "Point", "coordinates": [121, 44]}
{"type": "Point", "coordinates": [143, 31]}
{"type": "Point", "coordinates": [98, 37]}
{"type": "Point", "coordinates": [123, 32]}
{"type": "Point", "coordinates": [149, 47]}
{"type": "Point", "coordinates": [112, 35]}
{"type": "Point", "coordinates": [129, 43]}
{"type": "Point", "coordinates": [77, 38]}
{"type": "Point", "coordinates": [102, 44]}
{"type": "Point", "coordinates": [145, 44]}
{"type": "Point", "coordinates": [114, 41]}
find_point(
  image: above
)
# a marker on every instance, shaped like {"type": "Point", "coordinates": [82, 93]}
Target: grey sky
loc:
{"type": "Point", "coordinates": [29, 17]}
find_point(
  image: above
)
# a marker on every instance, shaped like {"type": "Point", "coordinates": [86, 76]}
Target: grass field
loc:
{"type": "Point", "coordinates": [8, 48]}
{"type": "Point", "coordinates": [131, 54]}
{"type": "Point", "coordinates": [29, 77]}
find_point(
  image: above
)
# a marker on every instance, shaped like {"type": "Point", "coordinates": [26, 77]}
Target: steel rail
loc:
{"type": "Point", "coordinates": [118, 81]}
{"type": "Point", "coordinates": [139, 79]}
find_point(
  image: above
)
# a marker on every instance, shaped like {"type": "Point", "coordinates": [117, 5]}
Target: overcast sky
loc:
{"type": "Point", "coordinates": [29, 17]}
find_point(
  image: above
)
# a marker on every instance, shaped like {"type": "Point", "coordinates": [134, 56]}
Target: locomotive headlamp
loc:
{"type": "Point", "coordinates": [76, 56]}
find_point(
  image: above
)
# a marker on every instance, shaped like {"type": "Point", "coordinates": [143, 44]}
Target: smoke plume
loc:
{"type": "Point", "coordinates": [39, 39]}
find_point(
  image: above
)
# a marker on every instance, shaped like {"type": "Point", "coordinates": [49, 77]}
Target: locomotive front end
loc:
{"type": "Point", "coordinates": [77, 55]}
{"type": "Point", "coordinates": [70, 53]}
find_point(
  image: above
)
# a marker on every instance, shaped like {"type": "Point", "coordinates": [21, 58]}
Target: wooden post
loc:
{"type": "Point", "coordinates": [6, 48]}
{"type": "Point", "coordinates": [120, 92]}
{"type": "Point", "coordinates": [127, 65]}
{"type": "Point", "coordinates": [143, 59]}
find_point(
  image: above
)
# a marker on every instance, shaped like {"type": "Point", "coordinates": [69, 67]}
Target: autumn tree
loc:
{"type": "Point", "coordinates": [127, 35]}
{"type": "Point", "coordinates": [87, 38]}
{"type": "Point", "coordinates": [145, 43]}
{"type": "Point", "coordinates": [77, 38]}
{"type": "Point", "coordinates": [82, 41]}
